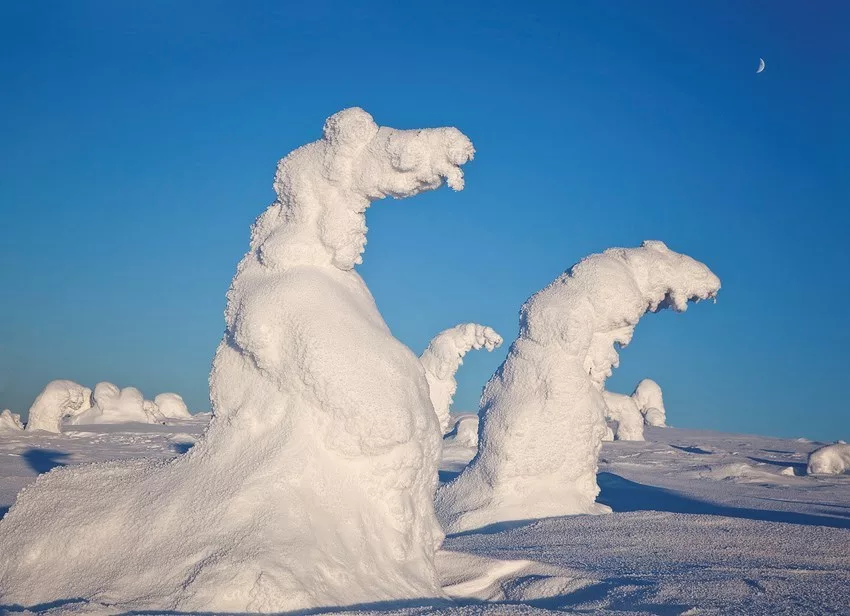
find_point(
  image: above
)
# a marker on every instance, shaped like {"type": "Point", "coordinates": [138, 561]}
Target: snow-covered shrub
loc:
{"type": "Point", "coordinates": [58, 400]}
{"type": "Point", "coordinates": [444, 356]}
{"type": "Point", "coordinates": [115, 405]}
{"type": "Point", "coordinates": [829, 460]}
{"type": "Point", "coordinates": [625, 412]}
{"type": "Point", "coordinates": [314, 483]}
{"type": "Point", "coordinates": [10, 422]}
{"type": "Point", "coordinates": [542, 412]}
{"type": "Point", "coordinates": [172, 406]}
{"type": "Point", "coordinates": [648, 397]}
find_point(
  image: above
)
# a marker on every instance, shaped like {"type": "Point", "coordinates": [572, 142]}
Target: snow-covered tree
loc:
{"type": "Point", "coordinates": [650, 401]}
{"type": "Point", "coordinates": [59, 399]}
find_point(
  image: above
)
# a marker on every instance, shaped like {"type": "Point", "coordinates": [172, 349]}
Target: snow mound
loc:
{"type": "Point", "coordinates": [296, 497]}
{"type": "Point", "coordinates": [10, 422]}
{"type": "Point", "coordinates": [742, 472]}
{"type": "Point", "coordinates": [444, 356]}
{"type": "Point", "coordinates": [115, 405]}
{"type": "Point", "coordinates": [58, 400]}
{"type": "Point", "coordinates": [171, 406]}
{"type": "Point", "coordinates": [829, 460]}
{"type": "Point", "coordinates": [465, 431]}
{"type": "Point", "coordinates": [626, 413]}
{"type": "Point", "coordinates": [542, 412]}
{"type": "Point", "coordinates": [648, 397]}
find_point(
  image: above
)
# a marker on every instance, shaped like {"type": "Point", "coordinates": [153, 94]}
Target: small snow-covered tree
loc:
{"type": "Point", "coordinates": [625, 412]}
{"type": "Point", "coordinates": [59, 399]}
{"type": "Point", "coordinates": [650, 401]}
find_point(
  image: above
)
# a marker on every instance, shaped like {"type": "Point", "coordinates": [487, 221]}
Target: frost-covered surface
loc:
{"type": "Point", "coordinates": [313, 485]}
{"type": "Point", "coordinates": [624, 410]}
{"type": "Point", "coordinates": [444, 356]}
{"type": "Point", "coordinates": [112, 404]}
{"type": "Point", "coordinates": [465, 430]}
{"type": "Point", "coordinates": [830, 460]}
{"type": "Point", "coordinates": [542, 413]}
{"type": "Point", "coordinates": [704, 523]}
{"type": "Point", "coordinates": [58, 400]}
{"type": "Point", "coordinates": [10, 421]}
{"type": "Point", "coordinates": [172, 406]}
{"type": "Point", "coordinates": [649, 400]}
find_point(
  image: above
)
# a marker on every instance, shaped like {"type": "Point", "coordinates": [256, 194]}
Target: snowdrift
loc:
{"type": "Point", "coordinates": [829, 460]}
{"type": "Point", "coordinates": [296, 496]}
{"type": "Point", "coordinates": [58, 400]}
{"type": "Point", "coordinates": [444, 356]}
{"type": "Point", "coordinates": [543, 412]}
{"type": "Point", "coordinates": [649, 400]}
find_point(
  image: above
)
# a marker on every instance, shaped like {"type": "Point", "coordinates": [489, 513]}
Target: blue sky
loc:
{"type": "Point", "coordinates": [140, 140]}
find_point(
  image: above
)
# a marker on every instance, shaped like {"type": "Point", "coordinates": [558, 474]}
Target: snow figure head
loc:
{"type": "Point", "coordinates": [648, 397]}
{"type": "Point", "coordinates": [10, 422]}
{"type": "Point", "coordinates": [829, 460]}
{"type": "Point", "coordinates": [313, 486]}
{"type": "Point", "coordinates": [58, 400]}
{"type": "Point", "coordinates": [543, 412]}
{"type": "Point", "coordinates": [171, 406]}
{"type": "Point", "coordinates": [444, 356]}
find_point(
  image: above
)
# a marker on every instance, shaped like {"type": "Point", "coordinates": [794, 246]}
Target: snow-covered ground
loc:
{"type": "Point", "coordinates": [703, 523]}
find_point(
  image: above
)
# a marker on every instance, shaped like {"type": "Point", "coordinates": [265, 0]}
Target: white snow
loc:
{"type": "Point", "coordinates": [115, 405]}
{"type": "Point", "coordinates": [623, 410]}
{"type": "Point", "coordinates": [59, 399]}
{"type": "Point", "coordinates": [829, 460]}
{"type": "Point", "coordinates": [444, 356]}
{"type": "Point", "coordinates": [465, 430]}
{"type": "Point", "coordinates": [10, 421]}
{"type": "Point", "coordinates": [649, 400]}
{"type": "Point", "coordinates": [172, 406]}
{"type": "Point", "coordinates": [542, 412]}
{"type": "Point", "coordinates": [314, 484]}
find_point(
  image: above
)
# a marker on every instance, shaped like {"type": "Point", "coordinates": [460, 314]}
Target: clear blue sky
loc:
{"type": "Point", "coordinates": [139, 141]}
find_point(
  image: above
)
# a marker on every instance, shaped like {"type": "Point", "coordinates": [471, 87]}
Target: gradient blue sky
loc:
{"type": "Point", "coordinates": [139, 142]}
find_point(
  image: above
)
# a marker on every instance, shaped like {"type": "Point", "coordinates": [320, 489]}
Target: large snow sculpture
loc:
{"type": "Point", "coordinates": [626, 413]}
{"type": "Point", "coordinates": [10, 422]}
{"type": "Point", "coordinates": [58, 400]}
{"type": "Point", "coordinates": [542, 412]}
{"type": "Point", "coordinates": [829, 460]}
{"type": "Point", "coordinates": [171, 406]}
{"type": "Point", "coordinates": [314, 483]}
{"type": "Point", "coordinates": [444, 356]}
{"type": "Point", "coordinates": [115, 405]}
{"type": "Point", "coordinates": [648, 397]}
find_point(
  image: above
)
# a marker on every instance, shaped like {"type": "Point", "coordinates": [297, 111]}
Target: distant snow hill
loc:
{"type": "Point", "coordinates": [703, 523]}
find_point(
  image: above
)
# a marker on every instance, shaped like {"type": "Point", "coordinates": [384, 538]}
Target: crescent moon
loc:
{"type": "Point", "coordinates": [761, 65]}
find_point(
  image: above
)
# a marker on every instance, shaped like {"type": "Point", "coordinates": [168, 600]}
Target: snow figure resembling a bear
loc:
{"type": "Point", "coordinates": [650, 401]}
{"type": "Point", "coordinates": [314, 484]}
{"type": "Point", "coordinates": [543, 412]}
{"type": "Point", "coordinates": [444, 356]}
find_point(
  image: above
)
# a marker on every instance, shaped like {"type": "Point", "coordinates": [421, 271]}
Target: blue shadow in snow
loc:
{"type": "Point", "coordinates": [43, 460]}
{"type": "Point", "coordinates": [691, 449]}
{"type": "Point", "coordinates": [3, 512]}
{"type": "Point", "coordinates": [623, 495]}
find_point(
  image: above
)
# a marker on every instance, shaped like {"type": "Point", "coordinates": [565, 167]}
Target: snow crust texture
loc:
{"type": "Point", "coordinates": [543, 411]}
{"type": "Point", "coordinates": [624, 410]}
{"type": "Point", "coordinates": [444, 356]}
{"type": "Point", "coordinates": [650, 401]}
{"type": "Point", "coordinates": [314, 483]}
{"type": "Point", "coordinates": [829, 460]}
{"type": "Point", "coordinates": [59, 399]}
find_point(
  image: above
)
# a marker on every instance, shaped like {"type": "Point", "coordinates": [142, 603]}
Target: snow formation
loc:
{"type": "Point", "coordinates": [542, 412]}
{"type": "Point", "coordinates": [444, 356]}
{"type": "Point", "coordinates": [314, 484]}
{"type": "Point", "coordinates": [10, 422]}
{"type": "Point", "coordinates": [465, 430]}
{"type": "Point", "coordinates": [649, 400]}
{"type": "Point", "coordinates": [115, 405]}
{"type": "Point", "coordinates": [172, 406]}
{"type": "Point", "coordinates": [625, 412]}
{"type": "Point", "coordinates": [58, 400]}
{"type": "Point", "coordinates": [829, 460]}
